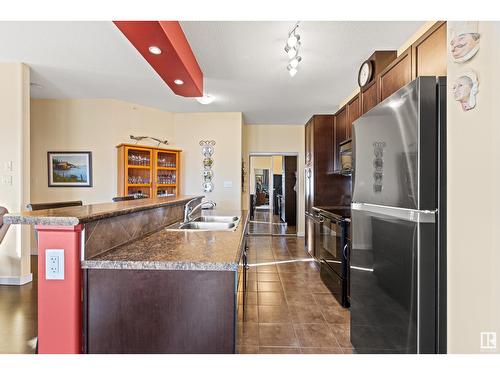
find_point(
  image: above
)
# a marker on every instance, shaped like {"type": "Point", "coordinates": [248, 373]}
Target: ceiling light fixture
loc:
{"type": "Point", "coordinates": [205, 99]}
{"type": "Point", "coordinates": [178, 81]}
{"type": "Point", "coordinates": [291, 70]}
{"type": "Point", "coordinates": [155, 50]}
{"type": "Point", "coordinates": [292, 47]}
{"type": "Point", "coordinates": [294, 63]}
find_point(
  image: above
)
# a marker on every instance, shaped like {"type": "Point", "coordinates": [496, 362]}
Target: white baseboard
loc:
{"type": "Point", "coordinates": [16, 280]}
{"type": "Point", "coordinates": [301, 234]}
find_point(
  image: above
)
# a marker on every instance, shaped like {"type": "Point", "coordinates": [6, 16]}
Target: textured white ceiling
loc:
{"type": "Point", "coordinates": [243, 63]}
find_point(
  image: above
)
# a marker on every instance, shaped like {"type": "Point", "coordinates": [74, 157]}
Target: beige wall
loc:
{"type": "Point", "coordinates": [474, 202]}
{"type": "Point", "coordinates": [15, 149]}
{"type": "Point", "coordinates": [226, 130]}
{"type": "Point", "coordinates": [96, 125]}
{"type": "Point", "coordinates": [276, 139]}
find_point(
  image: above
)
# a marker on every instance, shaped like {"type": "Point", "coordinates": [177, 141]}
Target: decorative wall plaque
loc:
{"type": "Point", "coordinates": [378, 166]}
{"type": "Point", "coordinates": [464, 40]}
{"type": "Point", "coordinates": [207, 150]}
{"type": "Point", "coordinates": [465, 89]}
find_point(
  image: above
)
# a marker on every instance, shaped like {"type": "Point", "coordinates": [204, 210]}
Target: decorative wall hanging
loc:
{"type": "Point", "coordinates": [69, 169]}
{"type": "Point", "coordinates": [207, 150]}
{"type": "Point", "coordinates": [465, 89]}
{"type": "Point", "coordinates": [464, 40]}
{"type": "Point", "coordinates": [139, 138]}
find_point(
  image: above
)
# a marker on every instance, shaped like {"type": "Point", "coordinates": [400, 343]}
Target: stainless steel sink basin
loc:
{"type": "Point", "coordinates": [208, 223]}
{"type": "Point", "coordinates": [207, 226]}
{"type": "Point", "coordinates": [217, 219]}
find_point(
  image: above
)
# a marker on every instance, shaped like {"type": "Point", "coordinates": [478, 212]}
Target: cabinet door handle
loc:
{"type": "Point", "coordinates": [344, 251]}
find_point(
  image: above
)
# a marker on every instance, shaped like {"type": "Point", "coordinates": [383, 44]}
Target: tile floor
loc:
{"type": "Point", "coordinates": [287, 308]}
{"type": "Point", "coordinates": [264, 224]}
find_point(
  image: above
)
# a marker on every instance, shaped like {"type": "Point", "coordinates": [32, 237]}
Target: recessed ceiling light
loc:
{"type": "Point", "coordinates": [155, 50]}
{"type": "Point", "coordinates": [205, 99]}
{"type": "Point", "coordinates": [179, 82]}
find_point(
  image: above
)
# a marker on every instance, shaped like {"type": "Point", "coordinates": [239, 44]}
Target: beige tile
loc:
{"type": "Point", "coordinates": [278, 350]}
{"type": "Point", "coordinates": [266, 268]}
{"type": "Point", "coordinates": [247, 334]}
{"type": "Point", "coordinates": [325, 299]}
{"type": "Point", "coordinates": [249, 313]}
{"type": "Point", "coordinates": [318, 287]}
{"type": "Point", "coordinates": [247, 349]}
{"type": "Point", "coordinates": [335, 314]}
{"type": "Point", "coordinates": [326, 350]}
{"type": "Point", "coordinates": [299, 298]}
{"type": "Point", "coordinates": [268, 277]}
{"type": "Point", "coordinates": [271, 298]}
{"type": "Point", "coordinates": [315, 335]}
{"type": "Point", "coordinates": [249, 298]}
{"type": "Point", "coordinates": [286, 267]}
{"type": "Point", "coordinates": [341, 332]}
{"type": "Point", "coordinates": [306, 314]}
{"type": "Point", "coordinates": [275, 334]}
{"type": "Point", "coordinates": [274, 314]}
{"type": "Point", "coordinates": [269, 286]}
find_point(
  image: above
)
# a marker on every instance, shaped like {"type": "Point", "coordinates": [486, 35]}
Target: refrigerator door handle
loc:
{"type": "Point", "coordinates": [406, 214]}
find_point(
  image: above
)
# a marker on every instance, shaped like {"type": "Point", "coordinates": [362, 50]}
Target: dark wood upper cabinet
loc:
{"type": "Point", "coordinates": [369, 96]}
{"type": "Point", "coordinates": [429, 52]}
{"type": "Point", "coordinates": [353, 112]}
{"type": "Point", "coordinates": [396, 75]}
{"type": "Point", "coordinates": [320, 167]}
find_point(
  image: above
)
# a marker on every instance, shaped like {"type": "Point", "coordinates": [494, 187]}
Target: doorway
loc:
{"type": "Point", "coordinates": [273, 194]}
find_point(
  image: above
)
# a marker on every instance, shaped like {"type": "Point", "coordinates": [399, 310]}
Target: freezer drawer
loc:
{"type": "Point", "coordinates": [392, 281]}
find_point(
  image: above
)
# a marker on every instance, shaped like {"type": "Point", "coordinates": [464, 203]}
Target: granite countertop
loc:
{"type": "Point", "coordinates": [83, 214]}
{"type": "Point", "coordinates": [179, 250]}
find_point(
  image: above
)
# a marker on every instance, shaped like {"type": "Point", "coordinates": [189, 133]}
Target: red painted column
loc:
{"type": "Point", "coordinates": [60, 301]}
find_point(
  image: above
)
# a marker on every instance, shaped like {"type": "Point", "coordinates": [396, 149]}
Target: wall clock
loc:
{"type": "Point", "coordinates": [365, 73]}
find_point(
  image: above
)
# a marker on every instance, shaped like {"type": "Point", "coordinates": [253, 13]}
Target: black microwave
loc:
{"type": "Point", "coordinates": [345, 154]}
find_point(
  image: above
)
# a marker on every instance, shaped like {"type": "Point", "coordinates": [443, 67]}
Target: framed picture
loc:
{"type": "Point", "coordinates": [69, 168]}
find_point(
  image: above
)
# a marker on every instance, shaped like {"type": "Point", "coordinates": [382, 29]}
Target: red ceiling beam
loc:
{"type": "Point", "coordinates": [176, 60]}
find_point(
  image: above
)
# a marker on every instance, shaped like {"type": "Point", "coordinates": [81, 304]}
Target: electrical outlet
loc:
{"type": "Point", "coordinates": [228, 184]}
{"type": "Point", "coordinates": [54, 264]}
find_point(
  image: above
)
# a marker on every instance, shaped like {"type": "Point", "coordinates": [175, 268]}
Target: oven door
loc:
{"type": "Point", "coordinates": [331, 251]}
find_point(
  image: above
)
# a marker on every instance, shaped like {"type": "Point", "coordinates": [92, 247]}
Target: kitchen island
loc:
{"type": "Point", "coordinates": [147, 286]}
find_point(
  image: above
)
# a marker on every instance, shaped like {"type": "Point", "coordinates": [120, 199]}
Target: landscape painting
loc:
{"type": "Point", "coordinates": [69, 169]}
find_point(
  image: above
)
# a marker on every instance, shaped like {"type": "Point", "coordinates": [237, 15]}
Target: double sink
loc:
{"type": "Point", "coordinates": [208, 223]}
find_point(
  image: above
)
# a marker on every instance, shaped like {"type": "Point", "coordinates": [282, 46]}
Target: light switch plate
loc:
{"type": "Point", "coordinates": [228, 184]}
{"type": "Point", "coordinates": [8, 166]}
{"type": "Point", "coordinates": [7, 180]}
{"type": "Point", "coordinates": [54, 264]}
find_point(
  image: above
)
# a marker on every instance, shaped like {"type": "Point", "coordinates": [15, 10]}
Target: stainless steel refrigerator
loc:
{"type": "Point", "coordinates": [398, 254]}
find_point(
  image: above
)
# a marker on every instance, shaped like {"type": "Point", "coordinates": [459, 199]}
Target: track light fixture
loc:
{"type": "Point", "coordinates": [292, 47]}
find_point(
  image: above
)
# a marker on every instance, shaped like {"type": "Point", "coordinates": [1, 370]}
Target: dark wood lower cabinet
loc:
{"type": "Point", "coordinates": [158, 311]}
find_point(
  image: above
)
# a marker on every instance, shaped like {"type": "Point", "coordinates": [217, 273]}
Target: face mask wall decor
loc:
{"type": "Point", "coordinates": [464, 40]}
{"type": "Point", "coordinates": [465, 89]}
{"type": "Point", "coordinates": [207, 150]}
